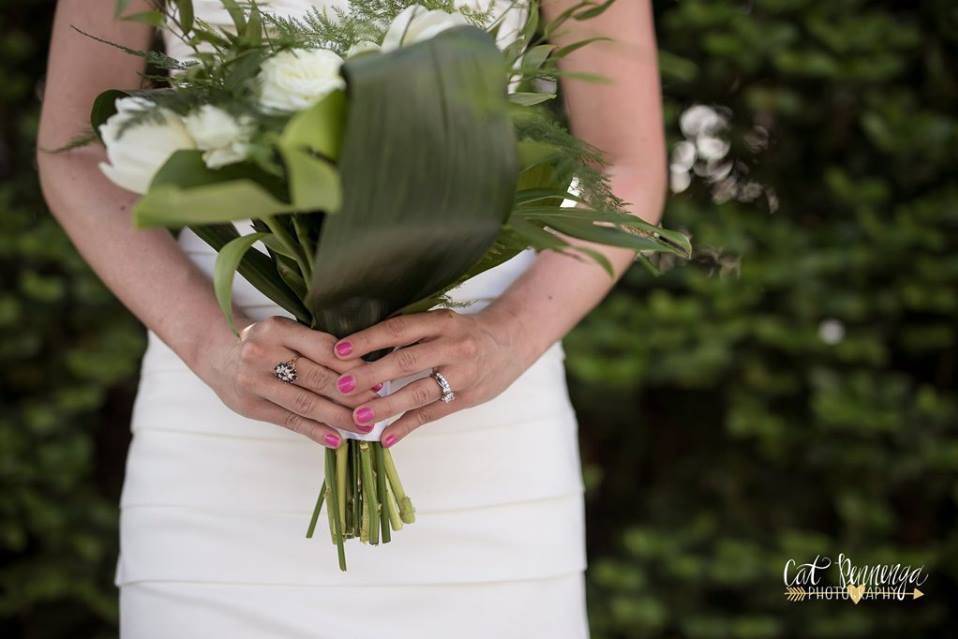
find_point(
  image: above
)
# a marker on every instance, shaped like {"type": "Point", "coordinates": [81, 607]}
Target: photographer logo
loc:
{"type": "Point", "coordinates": [855, 583]}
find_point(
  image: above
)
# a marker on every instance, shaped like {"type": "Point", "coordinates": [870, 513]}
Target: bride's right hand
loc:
{"type": "Point", "coordinates": [240, 371]}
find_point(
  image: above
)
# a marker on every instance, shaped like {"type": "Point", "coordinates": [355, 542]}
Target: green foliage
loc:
{"type": "Point", "coordinates": [803, 403]}
{"type": "Point", "coordinates": [68, 366]}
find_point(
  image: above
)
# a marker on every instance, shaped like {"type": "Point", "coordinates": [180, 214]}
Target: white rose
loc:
{"type": "Point", "coordinates": [223, 138]}
{"type": "Point", "coordinates": [294, 80]}
{"type": "Point", "coordinates": [135, 156]}
{"type": "Point", "coordinates": [416, 23]}
{"type": "Point", "coordinates": [361, 47]}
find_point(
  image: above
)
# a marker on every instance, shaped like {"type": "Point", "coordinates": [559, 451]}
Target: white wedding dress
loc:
{"type": "Point", "coordinates": [215, 506]}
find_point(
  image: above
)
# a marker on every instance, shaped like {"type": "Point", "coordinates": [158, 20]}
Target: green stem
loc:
{"type": "Point", "coordinates": [332, 507]}
{"type": "Point", "coordinates": [341, 458]}
{"type": "Point", "coordinates": [369, 492]}
{"type": "Point", "coordinates": [394, 518]}
{"type": "Point", "coordinates": [406, 510]}
{"type": "Point", "coordinates": [357, 490]}
{"type": "Point", "coordinates": [316, 509]}
{"type": "Point", "coordinates": [381, 491]}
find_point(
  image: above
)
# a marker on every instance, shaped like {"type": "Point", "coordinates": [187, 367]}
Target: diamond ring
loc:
{"type": "Point", "coordinates": [286, 371]}
{"type": "Point", "coordinates": [447, 393]}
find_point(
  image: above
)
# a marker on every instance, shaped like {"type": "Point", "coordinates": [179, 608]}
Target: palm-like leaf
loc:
{"type": "Point", "coordinates": [428, 168]}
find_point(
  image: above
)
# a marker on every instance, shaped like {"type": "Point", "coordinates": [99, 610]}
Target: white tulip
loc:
{"type": "Point", "coordinates": [416, 23]}
{"type": "Point", "coordinates": [294, 80]}
{"type": "Point", "coordinates": [223, 138]}
{"type": "Point", "coordinates": [136, 155]}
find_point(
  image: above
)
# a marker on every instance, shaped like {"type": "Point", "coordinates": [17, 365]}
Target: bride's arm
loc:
{"type": "Point", "coordinates": [146, 268]}
{"type": "Point", "coordinates": [482, 354]}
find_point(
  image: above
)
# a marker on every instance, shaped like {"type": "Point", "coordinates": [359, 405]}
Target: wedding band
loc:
{"type": "Point", "coordinates": [286, 371]}
{"type": "Point", "coordinates": [447, 393]}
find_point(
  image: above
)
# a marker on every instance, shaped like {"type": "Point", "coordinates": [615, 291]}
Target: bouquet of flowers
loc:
{"type": "Point", "coordinates": [402, 128]}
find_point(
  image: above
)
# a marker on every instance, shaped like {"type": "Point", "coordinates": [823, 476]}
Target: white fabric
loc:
{"type": "Point", "coordinates": [215, 506]}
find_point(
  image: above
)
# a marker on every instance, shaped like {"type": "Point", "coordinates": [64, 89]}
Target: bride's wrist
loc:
{"type": "Point", "coordinates": [513, 329]}
{"type": "Point", "coordinates": [213, 348]}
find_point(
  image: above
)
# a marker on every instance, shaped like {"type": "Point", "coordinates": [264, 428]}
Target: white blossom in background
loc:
{"type": "Point", "coordinates": [831, 331]}
{"type": "Point", "coordinates": [223, 138]}
{"type": "Point", "coordinates": [135, 155]}
{"type": "Point", "coordinates": [296, 79]}
{"type": "Point", "coordinates": [705, 153]}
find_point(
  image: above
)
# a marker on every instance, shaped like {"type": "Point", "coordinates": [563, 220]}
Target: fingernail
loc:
{"type": "Point", "coordinates": [365, 427]}
{"type": "Point", "coordinates": [377, 388]}
{"type": "Point", "coordinates": [343, 349]}
{"type": "Point", "coordinates": [389, 440]}
{"type": "Point", "coordinates": [346, 384]}
{"type": "Point", "coordinates": [331, 440]}
{"type": "Point", "coordinates": [364, 415]}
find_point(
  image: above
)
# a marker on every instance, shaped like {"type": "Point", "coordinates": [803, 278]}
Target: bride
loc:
{"type": "Point", "coordinates": [226, 460]}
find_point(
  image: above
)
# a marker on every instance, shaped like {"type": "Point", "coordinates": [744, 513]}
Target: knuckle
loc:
{"type": "Point", "coordinates": [304, 403]}
{"type": "Point", "coordinates": [293, 422]}
{"type": "Point", "coordinates": [421, 418]}
{"type": "Point", "coordinates": [422, 395]}
{"type": "Point", "coordinates": [468, 347]}
{"type": "Point", "coordinates": [396, 326]}
{"type": "Point", "coordinates": [250, 351]}
{"type": "Point", "coordinates": [407, 360]}
{"type": "Point", "coordinates": [271, 325]}
{"type": "Point", "coordinates": [317, 378]}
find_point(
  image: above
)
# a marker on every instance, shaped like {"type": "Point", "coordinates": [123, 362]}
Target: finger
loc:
{"type": "Point", "coordinates": [419, 393]}
{"type": "Point", "coordinates": [405, 361]}
{"type": "Point", "coordinates": [308, 404]}
{"type": "Point", "coordinates": [401, 330]}
{"type": "Point", "coordinates": [315, 345]}
{"type": "Point", "coordinates": [415, 418]}
{"type": "Point", "coordinates": [322, 381]}
{"type": "Point", "coordinates": [267, 411]}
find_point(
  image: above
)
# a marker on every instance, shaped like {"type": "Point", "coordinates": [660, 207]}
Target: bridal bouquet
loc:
{"type": "Point", "coordinates": [400, 128]}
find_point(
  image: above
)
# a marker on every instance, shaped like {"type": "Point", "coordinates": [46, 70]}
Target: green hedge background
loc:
{"type": "Point", "coordinates": [791, 394]}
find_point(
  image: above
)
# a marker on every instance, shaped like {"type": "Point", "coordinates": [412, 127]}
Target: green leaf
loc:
{"type": "Point", "coordinates": [185, 9]}
{"type": "Point", "coordinates": [236, 14]}
{"type": "Point", "coordinates": [531, 99]}
{"type": "Point", "coordinates": [310, 140]}
{"type": "Point", "coordinates": [186, 192]}
{"type": "Point", "coordinates": [318, 128]}
{"type": "Point", "coordinates": [427, 182]}
{"type": "Point", "coordinates": [227, 261]}
{"type": "Point", "coordinates": [257, 269]}
{"type": "Point", "coordinates": [104, 106]}
{"type": "Point", "coordinates": [151, 18]}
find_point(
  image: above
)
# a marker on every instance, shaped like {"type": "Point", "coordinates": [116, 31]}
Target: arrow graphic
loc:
{"type": "Point", "coordinates": [798, 594]}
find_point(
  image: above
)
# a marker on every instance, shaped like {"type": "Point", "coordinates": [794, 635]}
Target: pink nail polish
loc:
{"type": "Point", "coordinates": [346, 384]}
{"type": "Point", "coordinates": [364, 415]}
{"type": "Point", "coordinates": [331, 440]}
{"type": "Point", "coordinates": [344, 348]}
{"type": "Point", "coordinates": [377, 388]}
{"type": "Point", "coordinates": [365, 427]}
{"type": "Point", "coordinates": [389, 440]}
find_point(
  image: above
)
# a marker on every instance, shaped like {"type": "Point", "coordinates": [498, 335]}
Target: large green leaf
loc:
{"type": "Point", "coordinates": [186, 192]}
{"type": "Point", "coordinates": [429, 170]}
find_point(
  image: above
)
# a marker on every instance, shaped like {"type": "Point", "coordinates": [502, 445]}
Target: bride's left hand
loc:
{"type": "Point", "coordinates": [478, 354]}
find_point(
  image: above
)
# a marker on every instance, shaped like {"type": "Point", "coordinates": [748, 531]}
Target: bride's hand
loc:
{"type": "Point", "coordinates": [478, 354]}
{"type": "Point", "coordinates": [241, 373]}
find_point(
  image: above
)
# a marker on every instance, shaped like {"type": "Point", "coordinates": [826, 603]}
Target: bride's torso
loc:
{"type": "Point", "coordinates": [476, 292]}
